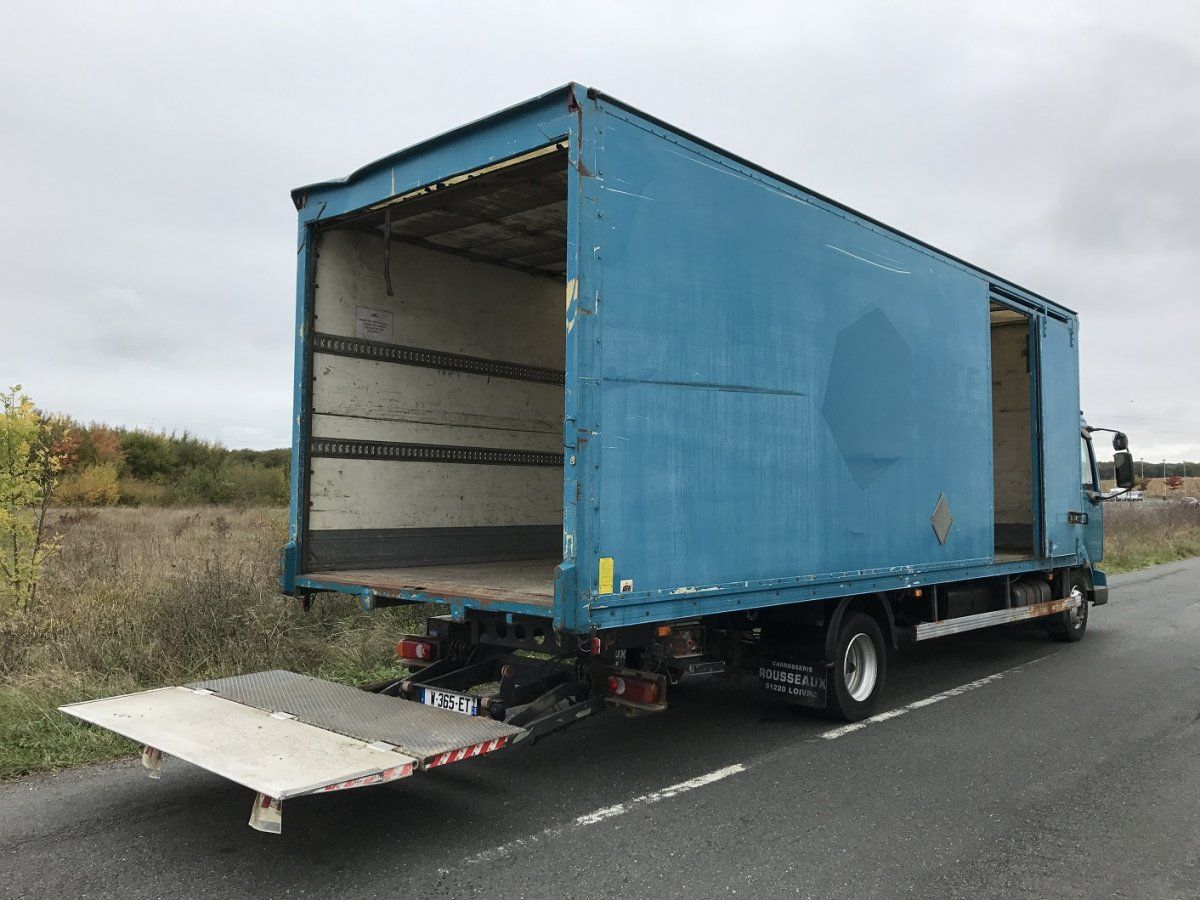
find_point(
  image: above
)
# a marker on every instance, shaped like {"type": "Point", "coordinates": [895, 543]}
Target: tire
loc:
{"type": "Point", "coordinates": [1070, 626]}
{"type": "Point", "coordinates": [859, 669]}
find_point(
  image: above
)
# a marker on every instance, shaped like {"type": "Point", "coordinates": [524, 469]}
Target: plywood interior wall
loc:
{"type": "Point", "coordinates": [1012, 424]}
{"type": "Point", "coordinates": [447, 303]}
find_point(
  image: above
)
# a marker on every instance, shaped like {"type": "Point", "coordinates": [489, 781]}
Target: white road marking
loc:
{"type": "Point", "coordinates": [665, 794]}
{"type": "Point", "coordinates": [607, 812]}
{"type": "Point", "coordinates": [674, 790]}
{"type": "Point", "coordinates": [834, 733]}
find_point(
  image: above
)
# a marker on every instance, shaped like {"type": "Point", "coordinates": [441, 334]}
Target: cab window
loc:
{"type": "Point", "coordinates": [1086, 468]}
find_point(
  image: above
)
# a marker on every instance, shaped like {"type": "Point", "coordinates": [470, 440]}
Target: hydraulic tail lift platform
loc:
{"type": "Point", "coordinates": [286, 735]}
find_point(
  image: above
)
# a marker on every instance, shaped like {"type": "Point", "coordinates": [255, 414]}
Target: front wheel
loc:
{"type": "Point", "coordinates": [1070, 626]}
{"type": "Point", "coordinates": [859, 668]}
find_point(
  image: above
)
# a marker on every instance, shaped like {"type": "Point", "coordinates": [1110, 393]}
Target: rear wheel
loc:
{"type": "Point", "coordinates": [859, 668]}
{"type": "Point", "coordinates": [1070, 626]}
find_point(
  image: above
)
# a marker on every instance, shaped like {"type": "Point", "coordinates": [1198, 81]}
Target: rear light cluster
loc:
{"type": "Point", "coordinates": [417, 650]}
{"type": "Point", "coordinates": [685, 642]}
{"type": "Point", "coordinates": [632, 689]}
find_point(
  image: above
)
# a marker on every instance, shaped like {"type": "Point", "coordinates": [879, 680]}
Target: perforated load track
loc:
{"type": "Point", "coordinates": [420, 731]}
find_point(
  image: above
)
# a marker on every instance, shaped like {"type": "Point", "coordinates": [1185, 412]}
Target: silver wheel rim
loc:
{"type": "Point", "coordinates": [860, 667]}
{"type": "Point", "coordinates": [1077, 616]}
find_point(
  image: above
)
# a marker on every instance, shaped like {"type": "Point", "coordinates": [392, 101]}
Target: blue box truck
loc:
{"type": "Point", "coordinates": [630, 409]}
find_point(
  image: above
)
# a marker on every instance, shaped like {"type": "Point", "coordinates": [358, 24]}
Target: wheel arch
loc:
{"type": "Point", "coordinates": [1095, 582]}
{"type": "Point", "coordinates": [877, 606]}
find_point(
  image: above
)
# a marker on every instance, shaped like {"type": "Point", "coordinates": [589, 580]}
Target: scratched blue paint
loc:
{"type": "Point", "coordinates": [869, 402]}
{"type": "Point", "coordinates": [761, 412]}
{"type": "Point", "coordinates": [766, 392]}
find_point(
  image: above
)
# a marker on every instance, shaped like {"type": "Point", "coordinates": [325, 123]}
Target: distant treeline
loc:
{"type": "Point", "coordinates": [105, 466]}
{"type": "Point", "coordinates": [1145, 468]}
{"type": "Point", "coordinates": [117, 466]}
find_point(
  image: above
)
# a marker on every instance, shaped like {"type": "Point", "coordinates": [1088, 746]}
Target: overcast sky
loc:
{"type": "Point", "coordinates": [148, 256]}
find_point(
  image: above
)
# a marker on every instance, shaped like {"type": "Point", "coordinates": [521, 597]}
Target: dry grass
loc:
{"type": "Point", "coordinates": [1137, 535]}
{"type": "Point", "coordinates": [141, 598]}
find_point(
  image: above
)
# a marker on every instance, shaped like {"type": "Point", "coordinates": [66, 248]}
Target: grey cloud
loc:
{"type": "Point", "coordinates": [147, 255]}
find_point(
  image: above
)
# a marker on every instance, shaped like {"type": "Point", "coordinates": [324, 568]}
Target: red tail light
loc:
{"type": "Point", "coordinates": [633, 689]}
{"type": "Point", "coordinates": [417, 650]}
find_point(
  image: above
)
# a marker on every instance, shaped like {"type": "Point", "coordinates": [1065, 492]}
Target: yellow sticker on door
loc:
{"type": "Point", "coordinates": [606, 575]}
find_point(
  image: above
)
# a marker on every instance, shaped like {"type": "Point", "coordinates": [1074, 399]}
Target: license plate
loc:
{"type": "Point", "coordinates": [459, 703]}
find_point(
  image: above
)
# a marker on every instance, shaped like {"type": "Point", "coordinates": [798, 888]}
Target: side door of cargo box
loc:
{"type": "Point", "coordinates": [1058, 387]}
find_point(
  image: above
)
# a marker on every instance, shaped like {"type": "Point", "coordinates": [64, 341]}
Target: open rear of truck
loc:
{"type": "Point", "coordinates": [428, 466]}
{"type": "Point", "coordinates": [434, 446]}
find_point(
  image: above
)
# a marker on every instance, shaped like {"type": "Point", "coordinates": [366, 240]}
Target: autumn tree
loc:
{"type": "Point", "coordinates": [33, 450]}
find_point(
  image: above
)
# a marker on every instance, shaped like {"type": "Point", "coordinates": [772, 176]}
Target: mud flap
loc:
{"type": "Point", "coordinates": [800, 682]}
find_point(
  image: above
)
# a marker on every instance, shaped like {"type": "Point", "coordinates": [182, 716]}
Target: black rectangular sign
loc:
{"type": "Point", "coordinates": [796, 682]}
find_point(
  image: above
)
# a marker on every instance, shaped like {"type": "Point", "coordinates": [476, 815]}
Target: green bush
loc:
{"type": "Point", "coordinates": [142, 493]}
{"type": "Point", "coordinates": [164, 469]}
{"type": "Point", "coordinates": [197, 486]}
{"type": "Point", "coordinates": [194, 453]}
{"type": "Point", "coordinates": [252, 484]}
{"type": "Point", "coordinates": [148, 456]}
{"type": "Point", "coordinates": [94, 486]}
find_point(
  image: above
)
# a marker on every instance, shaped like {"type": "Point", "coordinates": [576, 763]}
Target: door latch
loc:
{"type": "Point", "coordinates": [1077, 518]}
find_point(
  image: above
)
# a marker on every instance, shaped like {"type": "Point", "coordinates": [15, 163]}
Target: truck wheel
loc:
{"type": "Point", "coordinates": [859, 667]}
{"type": "Point", "coordinates": [1071, 625]}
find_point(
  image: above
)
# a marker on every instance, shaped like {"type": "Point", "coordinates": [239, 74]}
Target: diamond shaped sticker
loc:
{"type": "Point", "coordinates": [941, 519]}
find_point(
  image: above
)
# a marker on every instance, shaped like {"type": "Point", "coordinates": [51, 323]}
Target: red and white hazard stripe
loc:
{"type": "Point", "coordinates": [466, 752]}
{"type": "Point", "coordinates": [378, 778]}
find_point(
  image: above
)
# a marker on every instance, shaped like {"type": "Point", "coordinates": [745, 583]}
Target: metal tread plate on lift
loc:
{"type": "Point", "coordinates": [277, 756]}
{"type": "Point", "coordinates": [420, 731]}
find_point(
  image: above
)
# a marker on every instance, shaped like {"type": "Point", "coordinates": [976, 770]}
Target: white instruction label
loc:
{"type": "Point", "coordinates": [372, 324]}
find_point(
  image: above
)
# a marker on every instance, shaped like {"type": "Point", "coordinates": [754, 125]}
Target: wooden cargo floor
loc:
{"type": "Point", "coordinates": [1007, 554]}
{"type": "Point", "coordinates": [529, 581]}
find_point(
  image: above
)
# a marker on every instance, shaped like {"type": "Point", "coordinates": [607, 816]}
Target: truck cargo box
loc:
{"type": "Point", "coordinates": [576, 365]}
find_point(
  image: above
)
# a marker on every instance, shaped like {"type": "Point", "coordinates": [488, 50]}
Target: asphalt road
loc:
{"type": "Point", "coordinates": [1016, 766]}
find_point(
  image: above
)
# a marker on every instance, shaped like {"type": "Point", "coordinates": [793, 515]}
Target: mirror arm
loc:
{"type": "Point", "coordinates": [1120, 441]}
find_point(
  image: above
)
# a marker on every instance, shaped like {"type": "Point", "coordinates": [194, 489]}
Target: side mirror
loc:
{"type": "Point", "coordinates": [1123, 464]}
{"type": "Point", "coordinates": [1120, 441]}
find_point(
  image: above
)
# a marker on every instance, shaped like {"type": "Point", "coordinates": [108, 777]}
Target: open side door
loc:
{"type": "Point", "coordinates": [1058, 391]}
